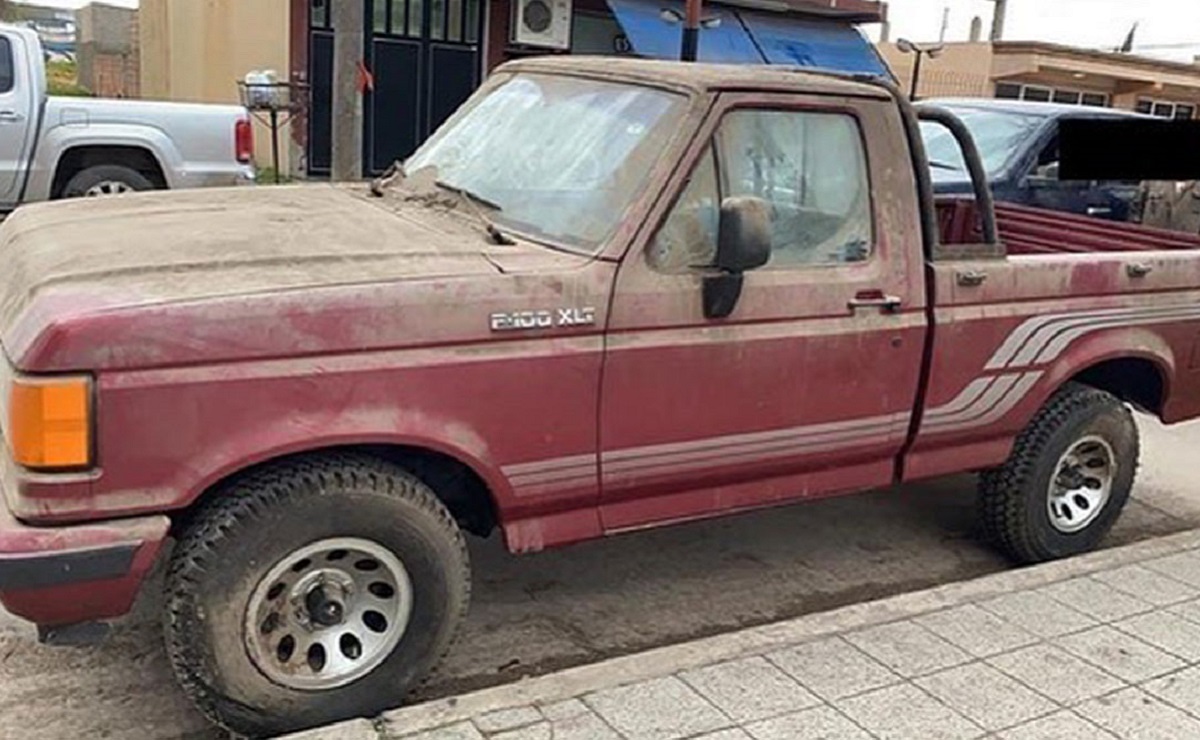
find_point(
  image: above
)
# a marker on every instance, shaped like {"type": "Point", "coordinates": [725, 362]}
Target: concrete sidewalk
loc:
{"type": "Point", "coordinates": [1101, 646]}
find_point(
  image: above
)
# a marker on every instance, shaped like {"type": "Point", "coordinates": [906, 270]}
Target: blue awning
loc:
{"type": "Point", "coordinates": [819, 44]}
{"type": "Point", "coordinates": [654, 37]}
{"type": "Point", "coordinates": [748, 37]}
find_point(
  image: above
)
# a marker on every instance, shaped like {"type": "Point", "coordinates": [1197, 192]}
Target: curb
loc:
{"type": "Point", "coordinates": [664, 661]}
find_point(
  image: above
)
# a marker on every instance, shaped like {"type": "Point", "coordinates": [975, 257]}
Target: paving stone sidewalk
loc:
{"type": "Point", "coordinates": [1102, 646]}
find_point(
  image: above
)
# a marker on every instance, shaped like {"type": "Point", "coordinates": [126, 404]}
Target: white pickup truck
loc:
{"type": "Point", "coordinates": [53, 147]}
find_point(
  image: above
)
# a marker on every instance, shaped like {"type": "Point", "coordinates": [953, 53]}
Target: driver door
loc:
{"type": "Point", "coordinates": [806, 388]}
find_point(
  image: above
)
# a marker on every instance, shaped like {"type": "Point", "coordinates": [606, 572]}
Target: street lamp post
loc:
{"type": "Point", "coordinates": [933, 51]}
{"type": "Point", "coordinates": [692, 24]}
{"type": "Point", "coordinates": [691, 31]}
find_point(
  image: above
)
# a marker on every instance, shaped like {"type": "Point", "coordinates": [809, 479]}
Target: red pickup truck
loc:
{"type": "Point", "coordinates": [604, 296]}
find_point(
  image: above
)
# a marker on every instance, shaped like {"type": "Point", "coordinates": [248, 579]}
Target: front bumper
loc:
{"type": "Point", "coordinates": [55, 576]}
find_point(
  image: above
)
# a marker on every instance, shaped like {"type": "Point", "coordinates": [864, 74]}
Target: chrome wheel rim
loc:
{"type": "Point", "coordinates": [328, 614]}
{"type": "Point", "coordinates": [1082, 484]}
{"type": "Point", "coordinates": [108, 187]}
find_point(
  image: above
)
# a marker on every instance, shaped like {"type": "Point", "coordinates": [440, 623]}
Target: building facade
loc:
{"type": "Point", "coordinates": [1046, 72]}
{"type": "Point", "coordinates": [107, 51]}
{"type": "Point", "coordinates": [420, 59]}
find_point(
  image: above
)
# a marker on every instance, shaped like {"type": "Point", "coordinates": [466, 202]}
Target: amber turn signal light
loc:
{"type": "Point", "coordinates": [49, 422]}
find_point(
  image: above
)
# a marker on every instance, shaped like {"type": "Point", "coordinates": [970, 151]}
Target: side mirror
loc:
{"type": "Point", "coordinates": [1045, 176]}
{"type": "Point", "coordinates": [743, 243]}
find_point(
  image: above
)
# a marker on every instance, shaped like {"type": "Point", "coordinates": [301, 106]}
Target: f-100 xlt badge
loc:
{"type": "Point", "coordinates": [543, 319]}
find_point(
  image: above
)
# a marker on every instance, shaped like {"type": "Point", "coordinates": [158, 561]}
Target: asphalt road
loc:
{"type": "Point", "coordinates": [536, 613]}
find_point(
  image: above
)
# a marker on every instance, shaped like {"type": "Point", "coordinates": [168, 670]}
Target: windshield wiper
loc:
{"type": "Point", "coordinates": [472, 200]}
{"type": "Point", "coordinates": [942, 166]}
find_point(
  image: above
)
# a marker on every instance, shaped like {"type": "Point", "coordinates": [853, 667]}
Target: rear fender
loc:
{"type": "Point", "coordinates": [60, 139]}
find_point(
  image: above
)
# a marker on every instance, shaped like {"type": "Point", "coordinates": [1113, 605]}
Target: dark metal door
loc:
{"type": "Point", "coordinates": [424, 57]}
{"type": "Point", "coordinates": [320, 80]}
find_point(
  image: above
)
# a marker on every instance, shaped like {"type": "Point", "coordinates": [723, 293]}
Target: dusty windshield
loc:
{"type": "Point", "coordinates": [554, 158]}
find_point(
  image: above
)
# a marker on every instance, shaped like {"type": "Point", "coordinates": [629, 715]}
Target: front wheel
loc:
{"type": "Point", "coordinates": [312, 591]}
{"type": "Point", "coordinates": [1067, 479]}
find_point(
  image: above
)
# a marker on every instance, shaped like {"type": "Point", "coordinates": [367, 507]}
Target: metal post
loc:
{"type": "Point", "coordinates": [275, 142]}
{"type": "Point", "coordinates": [998, 19]}
{"type": "Point", "coordinates": [349, 23]}
{"type": "Point", "coordinates": [691, 32]}
{"type": "Point", "coordinates": [912, 93]}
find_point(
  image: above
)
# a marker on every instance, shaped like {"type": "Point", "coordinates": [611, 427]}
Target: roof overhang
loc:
{"type": "Point", "coordinates": [849, 11]}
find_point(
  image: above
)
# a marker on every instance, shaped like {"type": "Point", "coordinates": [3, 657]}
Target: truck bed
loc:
{"type": "Point", "coordinates": [1030, 231]}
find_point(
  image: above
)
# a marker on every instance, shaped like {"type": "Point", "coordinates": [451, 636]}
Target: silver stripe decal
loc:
{"type": "Point", "coordinates": [1056, 346]}
{"type": "Point", "coordinates": [556, 476]}
{"type": "Point", "coordinates": [963, 400]}
{"type": "Point", "coordinates": [994, 395]}
{"type": "Point", "coordinates": [1046, 334]}
{"type": "Point", "coordinates": [1030, 337]}
{"type": "Point", "coordinates": [782, 446]}
{"type": "Point", "coordinates": [538, 466]}
{"type": "Point", "coordinates": [1016, 340]}
{"type": "Point", "coordinates": [1035, 341]}
{"type": "Point", "coordinates": [747, 456]}
{"type": "Point", "coordinates": [1022, 388]}
{"type": "Point", "coordinates": [814, 430]}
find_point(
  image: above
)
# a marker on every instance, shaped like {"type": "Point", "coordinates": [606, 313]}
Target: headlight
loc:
{"type": "Point", "coordinates": [48, 421]}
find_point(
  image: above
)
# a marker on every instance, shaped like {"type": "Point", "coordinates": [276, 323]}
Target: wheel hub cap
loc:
{"type": "Point", "coordinates": [1081, 485]}
{"type": "Point", "coordinates": [108, 187]}
{"type": "Point", "coordinates": [328, 614]}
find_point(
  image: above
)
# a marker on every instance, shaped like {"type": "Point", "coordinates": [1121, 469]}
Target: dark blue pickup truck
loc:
{"type": "Point", "coordinates": [1018, 142]}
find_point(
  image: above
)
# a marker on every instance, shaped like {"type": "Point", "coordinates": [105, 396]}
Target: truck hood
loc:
{"type": "Point", "coordinates": [154, 279]}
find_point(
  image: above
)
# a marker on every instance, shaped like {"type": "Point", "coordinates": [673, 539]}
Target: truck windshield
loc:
{"type": "Point", "coordinates": [997, 134]}
{"type": "Point", "coordinates": [558, 159]}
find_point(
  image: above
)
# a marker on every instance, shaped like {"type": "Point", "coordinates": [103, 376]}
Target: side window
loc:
{"type": "Point", "coordinates": [688, 238]}
{"type": "Point", "coordinates": [6, 65]}
{"type": "Point", "coordinates": [809, 167]}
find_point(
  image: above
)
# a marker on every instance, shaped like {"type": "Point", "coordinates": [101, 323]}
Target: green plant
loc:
{"type": "Point", "coordinates": [266, 176]}
{"type": "Point", "coordinates": [62, 78]}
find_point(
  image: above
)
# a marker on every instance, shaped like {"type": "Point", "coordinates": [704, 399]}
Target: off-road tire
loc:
{"type": "Point", "coordinates": [1013, 497]}
{"type": "Point", "coordinates": [85, 179]}
{"type": "Point", "coordinates": [259, 519]}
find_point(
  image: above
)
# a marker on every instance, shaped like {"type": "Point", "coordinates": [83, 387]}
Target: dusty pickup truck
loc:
{"type": "Point", "coordinates": [602, 297]}
{"type": "Point", "coordinates": [56, 147]}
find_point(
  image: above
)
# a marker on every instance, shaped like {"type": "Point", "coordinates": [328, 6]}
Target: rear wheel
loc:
{"type": "Point", "coordinates": [106, 179]}
{"type": "Point", "coordinates": [312, 591]}
{"type": "Point", "coordinates": [1067, 480]}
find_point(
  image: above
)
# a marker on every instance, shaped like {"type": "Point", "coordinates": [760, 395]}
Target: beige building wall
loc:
{"type": "Point", "coordinates": [962, 70]}
{"type": "Point", "coordinates": [974, 69]}
{"type": "Point", "coordinates": [197, 50]}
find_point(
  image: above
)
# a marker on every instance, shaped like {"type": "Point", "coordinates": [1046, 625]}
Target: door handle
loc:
{"type": "Point", "coordinates": [1099, 211]}
{"type": "Point", "coordinates": [11, 116]}
{"type": "Point", "coordinates": [1138, 269]}
{"type": "Point", "coordinates": [875, 299]}
{"type": "Point", "coordinates": [971, 278]}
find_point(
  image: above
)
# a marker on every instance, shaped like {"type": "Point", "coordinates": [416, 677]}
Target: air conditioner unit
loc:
{"type": "Point", "coordinates": [544, 23]}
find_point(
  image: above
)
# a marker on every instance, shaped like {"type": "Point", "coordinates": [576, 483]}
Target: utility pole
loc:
{"type": "Point", "coordinates": [691, 31]}
{"type": "Point", "coordinates": [347, 129]}
{"type": "Point", "coordinates": [998, 17]}
{"type": "Point", "coordinates": [945, 24]}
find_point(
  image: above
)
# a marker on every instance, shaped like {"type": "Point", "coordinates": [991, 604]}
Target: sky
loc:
{"type": "Point", "coordinates": [1091, 23]}
{"type": "Point", "coordinates": [1166, 28]}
